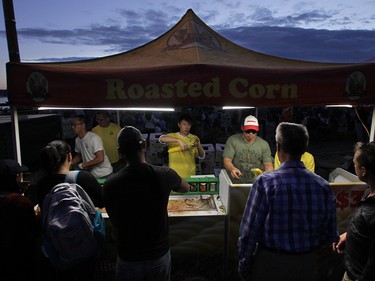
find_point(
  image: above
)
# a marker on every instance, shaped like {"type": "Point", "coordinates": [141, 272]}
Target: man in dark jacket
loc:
{"type": "Point", "coordinates": [359, 240]}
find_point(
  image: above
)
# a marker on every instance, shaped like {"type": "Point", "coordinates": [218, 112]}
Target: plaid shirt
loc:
{"type": "Point", "coordinates": [289, 209]}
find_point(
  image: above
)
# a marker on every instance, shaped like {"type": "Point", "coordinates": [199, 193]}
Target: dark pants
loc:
{"type": "Point", "coordinates": [84, 271]}
{"type": "Point", "coordinates": [158, 269]}
{"type": "Point", "coordinates": [284, 267]}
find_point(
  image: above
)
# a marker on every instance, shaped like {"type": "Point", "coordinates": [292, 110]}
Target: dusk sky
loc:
{"type": "Point", "coordinates": [320, 30]}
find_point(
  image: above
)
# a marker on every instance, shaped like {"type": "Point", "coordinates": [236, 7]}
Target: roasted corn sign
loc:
{"type": "Point", "coordinates": [237, 88]}
{"type": "Point", "coordinates": [46, 85]}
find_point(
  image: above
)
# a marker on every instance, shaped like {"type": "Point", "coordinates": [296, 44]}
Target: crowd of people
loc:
{"type": "Point", "coordinates": [290, 213]}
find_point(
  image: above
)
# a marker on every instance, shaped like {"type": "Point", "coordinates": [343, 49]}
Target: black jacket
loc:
{"type": "Point", "coordinates": [360, 241]}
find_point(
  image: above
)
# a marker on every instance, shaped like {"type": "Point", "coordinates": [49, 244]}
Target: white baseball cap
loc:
{"type": "Point", "coordinates": [250, 123]}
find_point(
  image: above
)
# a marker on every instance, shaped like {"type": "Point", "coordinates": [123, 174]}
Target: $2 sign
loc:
{"type": "Point", "coordinates": [348, 198]}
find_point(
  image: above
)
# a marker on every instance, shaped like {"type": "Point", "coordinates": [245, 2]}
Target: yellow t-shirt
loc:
{"type": "Point", "coordinates": [306, 158]}
{"type": "Point", "coordinates": [109, 137]}
{"type": "Point", "coordinates": [183, 162]}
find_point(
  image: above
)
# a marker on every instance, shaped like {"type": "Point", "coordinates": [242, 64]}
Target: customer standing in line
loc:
{"type": "Point", "coordinates": [18, 234]}
{"type": "Point", "coordinates": [56, 158]}
{"type": "Point", "coordinates": [136, 199]}
{"type": "Point", "coordinates": [290, 214]}
{"type": "Point", "coordinates": [358, 242]}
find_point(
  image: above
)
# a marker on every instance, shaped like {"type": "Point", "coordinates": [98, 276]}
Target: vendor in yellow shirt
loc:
{"type": "Point", "coordinates": [108, 131]}
{"type": "Point", "coordinates": [183, 148]}
{"type": "Point", "coordinates": [306, 158]}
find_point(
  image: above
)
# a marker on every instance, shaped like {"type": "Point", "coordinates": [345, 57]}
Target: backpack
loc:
{"type": "Point", "coordinates": [98, 221]}
{"type": "Point", "coordinates": [69, 237]}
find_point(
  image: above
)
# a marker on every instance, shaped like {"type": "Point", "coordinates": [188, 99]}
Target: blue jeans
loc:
{"type": "Point", "coordinates": [150, 270]}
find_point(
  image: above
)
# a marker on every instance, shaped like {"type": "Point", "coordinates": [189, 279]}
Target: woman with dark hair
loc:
{"type": "Point", "coordinates": [56, 159]}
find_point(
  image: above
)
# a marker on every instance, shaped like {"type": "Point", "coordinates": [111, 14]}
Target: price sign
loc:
{"type": "Point", "coordinates": [348, 198]}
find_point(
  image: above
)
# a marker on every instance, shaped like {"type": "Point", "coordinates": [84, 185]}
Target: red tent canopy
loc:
{"type": "Point", "coordinates": [189, 65]}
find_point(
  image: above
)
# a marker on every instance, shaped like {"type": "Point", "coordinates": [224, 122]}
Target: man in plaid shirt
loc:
{"type": "Point", "coordinates": [290, 214]}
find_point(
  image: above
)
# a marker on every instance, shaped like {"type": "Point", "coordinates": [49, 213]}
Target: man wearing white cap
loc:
{"type": "Point", "coordinates": [246, 151]}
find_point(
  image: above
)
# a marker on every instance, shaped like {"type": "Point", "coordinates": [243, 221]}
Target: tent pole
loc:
{"type": "Point", "coordinates": [11, 31]}
{"type": "Point", "coordinates": [15, 134]}
{"type": "Point", "coordinates": [118, 117]}
{"type": "Point", "coordinates": [14, 56]}
{"type": "Point", "coordinates": [372, 131]}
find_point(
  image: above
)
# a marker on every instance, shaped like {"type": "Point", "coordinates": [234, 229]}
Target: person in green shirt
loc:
{"type": "Point", "coordinates": [245, 152]}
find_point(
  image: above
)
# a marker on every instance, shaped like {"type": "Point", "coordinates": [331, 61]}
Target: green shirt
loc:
{"type": "Point", "coordinates": [246, 156]}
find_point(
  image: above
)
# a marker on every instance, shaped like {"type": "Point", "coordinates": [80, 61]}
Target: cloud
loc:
{"type": "Point", "coordinates": [306, 44]}
{"type": "Point", "coordinates": [265, 17]}
{"type": "Point", "coordinates": [269, 34]}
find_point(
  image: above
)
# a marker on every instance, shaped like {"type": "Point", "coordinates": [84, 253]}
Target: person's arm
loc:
{"type": "Point", "coordinates": [99, 158]}
{"type": "Point", "coordinates": [198, 145]}
{"type": "Point", "coordinates": [110, 206]}
{"type": "Point", "coordinates": [77, 158]}
{"type": "Point", "coordinates": [339, 246]}
{"type": "Point", "coordinates": [170, 178]}
{"type": "Point", "coordinates": [251, 228]}
{"type": "Point", "coordinates": [268, 167]}
{"type": "Point", "coordinates": [267, 158]}
{"type": "Point", "coordinates": [168, 139]}
{"type": "Point", "coordinates": [231, 169]}
{"type": "Point", "coordinates": [184, 186]}
{"type": "Point", "coordinates": [91, 185]}
{"type": "Point", "coordinates": [369, 270]}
